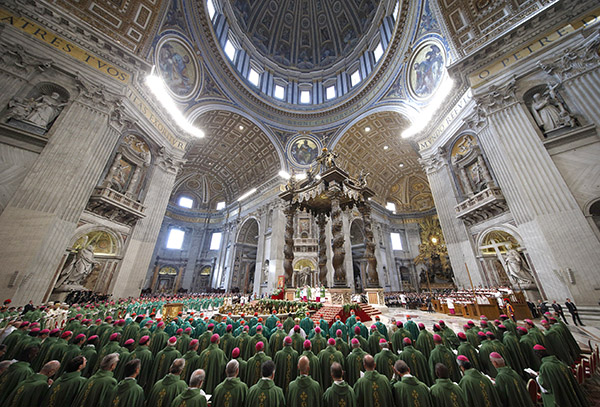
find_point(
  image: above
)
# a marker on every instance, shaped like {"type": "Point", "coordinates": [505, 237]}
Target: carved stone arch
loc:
{"type": "Point", "coordinates": [244, 271]}
{"type": "Point", "coordinates": [506, 228]}
{"type": "Point", "coordinates": [89, 228]}
{"type": "Point", "coordinates": [591, 211]}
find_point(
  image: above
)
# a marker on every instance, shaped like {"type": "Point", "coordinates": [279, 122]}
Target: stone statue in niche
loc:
{"type": "Point", "coordinates": [79, 268]}
{"type": "Point", "coordinates": [516, 267]}
{"type": "Point", "coordinates": [549, 111]}
{"type": "Point", "coordinates": [45, 110]}
{"type": "Point", "coordinates": [303, 277]}
{"type": "Point", "coordinates": [265, 272]}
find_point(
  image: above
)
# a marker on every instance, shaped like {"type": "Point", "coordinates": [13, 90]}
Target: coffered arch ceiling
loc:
{"type": "Point", "coordinates": [235, 155]}
{"type": "Point", "coordinates": [394, 172]}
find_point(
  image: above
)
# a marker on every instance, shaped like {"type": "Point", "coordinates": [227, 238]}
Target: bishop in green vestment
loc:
{"type": "Point", "coordinates": [213, 360]}
{"type": "Point", "coordinates": [276, 340]}
{"type": "Point", "coordinates": [286, 361]}
{"type": "Point", "coordinates": [326, 358]}
{"type": "Point", "coordinates": [32, 391]}
{"type": "Point", "coordinates": [374, 339]}
{"type": "Point", "coordinates": [479, 390]}
{"type": "Point", "coordinates": [373, 388]}
{"type": "Point", "coordinates": [232, 391]}
{"type": "Point", "coordinates": [315, 367]}
{"type": "Point", "coordinates": [425, 341]}
{"type": "Point", "coordinates": [416, 362]}
{"type": "Point", "coordinates": [409, 391]}
{"type": "Point", "coordinates": [411, 327]}
{"type": "Point", "coordinates": [193, 396]}
{"type": "Point", "coordinates": [192, 360]}
{"type": "Point", "coordinates": [67, 386]}
{"type": "Point", "coordinates": [164, 359]}
{"type": "Point", "coordinates": [265, 392]}
{"type": "Point", "coordinates": [354, 362]}
{"type": "Point", "coordinates": [340, 393]}
{"type": "Point", "coordinates": [129, 393]}
{"type": "Point", "coordinates": [468, 350]}
{"type": "Point", "coordinates": [442, 354]}
{"type": "Point", "coordinates": [159, 339]}
{"type": "Point", "coordinates": [558, 344]}
{"type": "Point", "coordinates": [304, 391]}
{"type": "Point", "coordinates": [168, 388]}
{"type": "Point", "coordinates": [253, 367]}
{"type": "Point", "coordinates": [511, 388]}
{"type": "Point", "coordinates": [559, 384]}
{"type": "Point", "coordinates": [144, 354]}
{"type": "Point", "coordinates": [243, 343]}
{"type": "Point", "coordinates": [446, 393]}
{"type": "Point", "coordinates": [384, 360]}
{"type": "Point", "coordinates": [17, 372]}
{"type": "Point", "coordinates": [99, 388]}
{"type": "Point", "coordinates": [398, 337]}
{"type": "Point", "coordinates": [319, 342]}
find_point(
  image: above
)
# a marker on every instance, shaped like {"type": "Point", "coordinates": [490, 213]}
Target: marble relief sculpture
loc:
{"type": "Point", "coordinates": [516, 267]}
{"type": "Point", "coordinates": [39, 112]}
{"type": "Point", "coordinates": [79, 268]}
{"type": "Point", "coordinates": [549, 111]}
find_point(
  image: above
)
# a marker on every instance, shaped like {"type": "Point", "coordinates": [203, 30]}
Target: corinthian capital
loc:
{"type": "Point", "coordinates": [498, 97]}
{"type": "Point", "coordinates": [434, 162]}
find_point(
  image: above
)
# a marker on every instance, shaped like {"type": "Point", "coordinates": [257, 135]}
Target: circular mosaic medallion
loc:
{"type": "Point", "coordinates": [177, 67]}
{"type": "Point", "coordinates": [427, 69]}
{"type": "Point", "coordinates": [302, 150]}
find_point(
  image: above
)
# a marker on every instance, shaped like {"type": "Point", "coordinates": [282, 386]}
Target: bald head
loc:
{"type": "Point", "coordinates": [232, 368]}
{"type": "Point", "coordinates": [369, 363]}
{"type": "Point", "coordinates": [50, 368]}
{"type": "Point", "coordinates": [303, 365]}
{"type": "Point", "coordinates": [197, 378]}
{"type": "Point", "coordinates": [336, 371]}
{"type": "Point", "coordinates": [177, 366]}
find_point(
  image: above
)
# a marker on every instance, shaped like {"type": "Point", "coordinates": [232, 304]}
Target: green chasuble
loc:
{"type": "Point", "coordinates": [65, 389]}
{"type": "Point", "coordinates": [445, 393]}
{"type": "Point", "coordinates": [183, 343]}
{"type": "Point", "coordinates": [226, 344]}
{"type": "Point", "coordinates": [286, 366]}
{"type": "Point", "coordinates": [417, 364]}
{"type": "Point", "coordinates": [398, 338]}
{"type": "Point", "coordinates": [342, 346]}
{"type": "Point", "coordinates": [158, 341]}
{"type": "Point", "coordinates": [190, 398]}
{"type": "Point", "coordinates": [212, 361]}
{"type": "Point", "coordinates": [374, 342]}
{"type": "Point", "coordinates": [165, 390]}
{"type": "Point", "coordinates": [315, 368]}
{"type": "Point", "coordinates": [304, 392]}
{"type": "Point", "coordinates": [90, 354]}
{"type": "Point", "coordinates": [354, 365]}
{"type": "Point", "coordinates": [486, 348]}
{"type": "Point", "coordinates": [450, 337]}
{"type": "Point", "coordinates": [265, 394]}
{"type": "Point", "coordinates": [318, 343]}
{"type": "Point", "coordinates": [559, 346]}
{"type": "Point", "coordinates": [511, 343]}
{"type": "Point", "coordinates": [276, 341]}
{"type": "Point", "coordinates": [15, 374]}
{"type": "Point", "coordinates": [560, 384]}
{"type": "Point", "coordinates": [120, 370]}
{"type": "Point", "coordinates": [297, 342]}
{"type": "Point", "coordinates": [384, 363]}
{"type": "Point", "coordinates": [441, 354]}
{"type": "Point", "coordinates": [288, 324]}
{"type": "Point", "coordinates": [192, 360]}
{"type": "Point", "coordinates": [162, 362]}
{"type": "Point", "coordinates": [242, 342]}
{"type": "Point", "coordinates": [145, 356]}
{"type": "Point", "coordinates": [511, 389]}
{"type": "Point", "coordinates": [527, 343]}
{"type": "Point", "coordinates": [97, 391]}
{"type": "Point", "coordinates": [326, 358]}
{"type": "Point", "coordinates": [204, 340]}
{"type": "Point", "coordinates": [253, 371]}
{"type": "Point", "coordinates": [425, 343]}
{"type": "Point", "coordinates": [373, 389]}
{"type": "Point", "coordinates": [412, 327]}
{"type": "Point", "coordinates": [410, 392]}
{"type": "Point", "coordinates": [340, 394]}
{"type": "Point", "coordinates": [231, 392]}
{"type": "Point", "coordinates": [479, 390]}
{"type": "Point", "coordinates": [128, 394]}
{"type": "Point", "coordinates": [256, 339]}
{"type": "Point", "coordinates": [29, 393]}
{"type": "Point", "coordinates": [44, 349]}
{"type": "Point", "coordinates": [469, 351]}
{"type": "Point", "coordinates": [243, 368]}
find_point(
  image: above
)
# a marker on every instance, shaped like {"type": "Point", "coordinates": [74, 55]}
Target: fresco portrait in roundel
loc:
{"type": "Point", "coordinates": [427, 70]}
{"type": "Point", "coordinates": [177, 69]}
{"type": "Point", "coordinates": [304, 151]}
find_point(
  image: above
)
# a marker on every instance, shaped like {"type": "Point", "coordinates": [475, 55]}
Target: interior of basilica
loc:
{"type": "Point", "coordinates": [366, 146]}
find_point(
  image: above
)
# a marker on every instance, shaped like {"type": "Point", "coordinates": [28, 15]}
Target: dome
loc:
{"type": "Point", "coordinates": [309, 34]}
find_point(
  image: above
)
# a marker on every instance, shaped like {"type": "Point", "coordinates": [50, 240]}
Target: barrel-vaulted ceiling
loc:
{"type": "Point", "coordinates": [235, 155]}
{"type": "Point", "coordinates": [374, 145]}
{"type": "Point", "coordinates": [305, 34]}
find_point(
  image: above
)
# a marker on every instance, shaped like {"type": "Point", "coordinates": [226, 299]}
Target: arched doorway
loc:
{"type": "Point", "coordinates": [357, 241]}
{"type": "Point", "coordinates": [505, 262]}
{"type": "Point", "coordinates": [244, 267]}
{"type": "Point", "coordinates": [305, 273]}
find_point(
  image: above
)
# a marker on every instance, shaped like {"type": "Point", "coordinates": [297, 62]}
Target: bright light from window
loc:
{"type": "Point", "coordinates": [396, 9]}
{"type": "Point", "coordinates": [157, 86]}
{"type": "Point", "coordinates": [378, 52]}
{"type": "Point", "coordinates": [229, 50]}
{"type": "Point", "coordinates": [186, 202]}
{"type": "Point", "coordinates": [420, 120]}
{"type": "Point", "coordinates": [330, 92]}
{"type": "Point", "coordinates": [391, 207]}
{"type": "Point", "coordinates": [220, 205]}
{"type": "Point", "coordinates": [175, 240]}
{"type": "Point", "coordinates": [254, 77]}
{"type": "Point", "coordinates": [396, 241]}
{"type": "Point", "coordinates": [211, 8]}
{"type": "Point", "coordinates": [305, 96]}
{"type": "Point", "coordinates": [279, 92]}
{"type": "Point", "coordinates": [355, 78]}
{"type": "Point", "coordinates": [215, 241]}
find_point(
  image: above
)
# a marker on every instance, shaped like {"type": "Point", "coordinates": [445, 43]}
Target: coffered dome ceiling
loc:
{"type": "Point", "coordinates": [306, 34]}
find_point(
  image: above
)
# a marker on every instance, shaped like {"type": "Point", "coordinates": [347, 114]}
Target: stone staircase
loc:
{"type": "Point", "coordinates": [369, 310]}
{"type": "Point", "coordinates": [586, 313]}
{"type": "Point", "coordinates": [328, 311]}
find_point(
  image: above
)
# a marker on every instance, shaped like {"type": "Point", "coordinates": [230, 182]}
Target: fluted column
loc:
{"type": "Point", "coordinates": [458, 243]}
{"type": "Point", "coordinates": [555, 232]}
{"type": "Point", "coordinates": [584, 92]}
{"type": "Point", "coordinates": [40, 219]}
{"type": "Point", "coordinates": [135, 263]}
